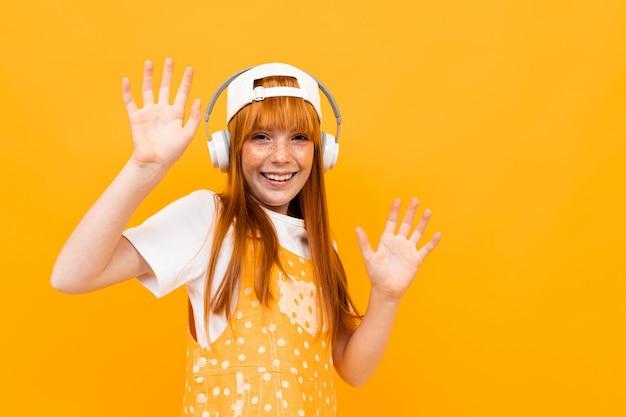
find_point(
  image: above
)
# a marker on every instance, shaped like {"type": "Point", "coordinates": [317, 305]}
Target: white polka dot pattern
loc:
{"type": "Point", "coordinates": [269, 361]}
{"type": "Point", "coordinates": [298, 302]}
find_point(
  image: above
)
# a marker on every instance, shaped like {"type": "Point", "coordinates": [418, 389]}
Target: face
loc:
{"type": "Point", "coordinates": [276, 164]}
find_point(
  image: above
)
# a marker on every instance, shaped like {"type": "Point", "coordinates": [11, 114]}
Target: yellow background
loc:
{"type": "Point", "coordinates": [507, 118]}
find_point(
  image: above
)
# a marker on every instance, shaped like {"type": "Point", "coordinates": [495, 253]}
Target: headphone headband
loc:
{"type": "Point", "coordinates": [230, 79]}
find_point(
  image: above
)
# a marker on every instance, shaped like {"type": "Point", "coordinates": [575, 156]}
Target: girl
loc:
{"type": "Point", "coordinates": [271, 319]}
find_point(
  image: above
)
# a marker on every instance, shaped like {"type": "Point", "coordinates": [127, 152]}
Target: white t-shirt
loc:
{"type": "Point", "coordinates": [176, 242]}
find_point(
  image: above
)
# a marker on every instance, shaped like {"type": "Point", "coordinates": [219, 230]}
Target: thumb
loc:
{"type": "Point", "coordinates": [195, 117]}
{"type": "Point", "coordinates": [364, 243]}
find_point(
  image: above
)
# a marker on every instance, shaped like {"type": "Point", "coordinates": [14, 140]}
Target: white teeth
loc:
{"type": "Point", "coordinates": [275, 177]}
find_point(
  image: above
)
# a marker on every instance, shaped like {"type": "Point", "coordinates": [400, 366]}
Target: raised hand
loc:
{"type": "Point", "coordinates": [160, 135]}
{"type": "Point", "coordinates": [392, 266]}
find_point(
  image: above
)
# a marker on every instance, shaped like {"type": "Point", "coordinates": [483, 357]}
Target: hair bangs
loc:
{"type": "Point", "coordinates": [284, 113]}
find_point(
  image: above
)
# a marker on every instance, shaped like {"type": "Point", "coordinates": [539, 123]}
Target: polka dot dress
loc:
{"type": "Point", "coordinates": [269, 361]}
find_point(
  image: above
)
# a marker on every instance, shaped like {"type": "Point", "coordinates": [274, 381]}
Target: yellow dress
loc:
{"type": "Point", "coordinates": [270, 361]}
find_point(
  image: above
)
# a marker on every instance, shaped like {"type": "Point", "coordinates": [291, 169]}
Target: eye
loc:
{"type": "Point", "coordinates": [300, 137]}
{"type": "Point", "coordinates": [260, 136]}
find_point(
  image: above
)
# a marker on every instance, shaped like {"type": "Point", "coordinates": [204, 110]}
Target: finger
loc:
{"type": "Point", "coordinates": [392, 219]}
{"type": "Point", "coordinates": [409, 216]}
{"type": "Point", "coordinates": [166, 81]}
{"type": "Point", "coordinates": [432, 243]}
{"type": "Point", "coordinates": [146, 87]}
{"type": "Point", "coordinates": [183, 90]}
{"type": "Point", "coordinates": [421, 227]}
{"type": "Point", "coordinates": [364, 243]}
{"type": "Point", "coordinates": [127, 97]}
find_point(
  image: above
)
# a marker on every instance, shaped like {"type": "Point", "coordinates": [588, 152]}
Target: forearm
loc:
{"type": "Point", "coordinates": [364, 349]}
{"type": "Point", "coordinates": [391, 269]}
{"type": "Point", "coordinates": [90, 248]}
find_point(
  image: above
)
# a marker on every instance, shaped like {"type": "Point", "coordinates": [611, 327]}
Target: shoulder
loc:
{"type": "Point", "coordinates": [201, 197]}
{"type": "Point", "coordinates": [195, 211]}
{"type": "Point", "coordinates": [199, 201]}
{"type": "Point", "coordinates": [195, 207]}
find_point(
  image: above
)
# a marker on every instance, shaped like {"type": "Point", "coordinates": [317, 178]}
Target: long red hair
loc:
{"type": "Point", "coordinates": [238, 210]}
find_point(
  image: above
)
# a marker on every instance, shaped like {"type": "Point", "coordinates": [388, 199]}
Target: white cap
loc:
{"type": "Point", "coordinates": [241, 91]}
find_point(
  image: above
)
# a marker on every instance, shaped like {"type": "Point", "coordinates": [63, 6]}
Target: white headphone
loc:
{"type": "Point", "coordinates": [244, 93]}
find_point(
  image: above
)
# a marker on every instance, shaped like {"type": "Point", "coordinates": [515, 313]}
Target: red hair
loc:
{"type": "Point", "coordinates": [234, 203]}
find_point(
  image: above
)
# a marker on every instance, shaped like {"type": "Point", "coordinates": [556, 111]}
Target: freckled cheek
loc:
{"type": "Point", "coordinates": [253, 158]}
{"type": "Point", "coordinates": [304, 155]}
{"type": "Point", "coordinates": [250, 165]}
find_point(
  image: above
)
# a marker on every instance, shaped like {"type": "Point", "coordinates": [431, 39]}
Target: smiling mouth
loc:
{"type": "Point", "coordinates": [276, 177]}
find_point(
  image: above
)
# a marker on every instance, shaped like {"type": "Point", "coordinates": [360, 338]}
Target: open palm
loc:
{"type": "Point", "coordinates": [160, 135]}
{"type": "Point", "coordinates": [392, 266]}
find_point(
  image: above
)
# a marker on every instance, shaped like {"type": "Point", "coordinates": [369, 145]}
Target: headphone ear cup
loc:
{"type": "Point", "coordinates": [218, 149]}
{"type": "Point", "coordinates": [330, 150]}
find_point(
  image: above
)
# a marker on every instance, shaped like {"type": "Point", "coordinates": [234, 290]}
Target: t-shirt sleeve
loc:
{"type": "Point", "coordinates": [175, 241]}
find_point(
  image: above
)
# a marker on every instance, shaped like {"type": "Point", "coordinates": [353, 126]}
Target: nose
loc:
{"type": "Point", "coordinates": [281, 153]}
